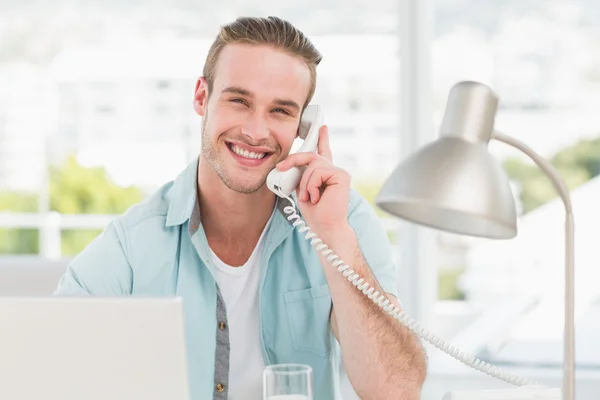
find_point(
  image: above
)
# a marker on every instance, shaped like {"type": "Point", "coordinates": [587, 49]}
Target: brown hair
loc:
{"type": "Point", "coordinates": [271, 31]}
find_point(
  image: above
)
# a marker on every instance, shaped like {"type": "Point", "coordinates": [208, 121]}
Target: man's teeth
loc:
{"type": "Point", "coordinates": [246, 153]}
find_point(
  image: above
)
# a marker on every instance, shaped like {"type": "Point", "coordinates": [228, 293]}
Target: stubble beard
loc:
{"type": "Point", "coordinates": [211, 154]}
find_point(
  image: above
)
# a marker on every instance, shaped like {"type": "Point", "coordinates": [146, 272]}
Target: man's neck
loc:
{"type": "Point", "coordinates": [228, 216]}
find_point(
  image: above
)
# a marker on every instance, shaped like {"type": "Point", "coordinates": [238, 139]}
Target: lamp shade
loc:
{"type": "Point", "coordinates": [454, 184]}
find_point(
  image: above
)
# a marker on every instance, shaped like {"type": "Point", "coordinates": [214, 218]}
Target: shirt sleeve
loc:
{"type": "Point", "coordinates": [374, 244]}
{"type": "Point", "coordinates": [101, 269]}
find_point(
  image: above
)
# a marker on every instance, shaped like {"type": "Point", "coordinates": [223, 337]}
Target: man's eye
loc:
{"type": "Point", "coordinates": [281, 110]}
{"type": "Point", "coordinates": [236, 100]}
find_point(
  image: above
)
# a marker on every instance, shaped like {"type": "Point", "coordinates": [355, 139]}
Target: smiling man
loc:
{"type": "Point", "coordinates": [255, 291]}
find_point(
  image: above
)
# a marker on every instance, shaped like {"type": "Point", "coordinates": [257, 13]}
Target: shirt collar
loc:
{"type": "Point", "coordinates": [183, 197]}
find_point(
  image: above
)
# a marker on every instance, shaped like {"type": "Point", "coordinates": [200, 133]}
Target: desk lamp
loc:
{"type": "Point", "coordinates": [454, 184]}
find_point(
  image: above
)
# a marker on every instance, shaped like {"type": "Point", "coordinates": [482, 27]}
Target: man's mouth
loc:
{"type": "Point", "coordinates": [251, 155]}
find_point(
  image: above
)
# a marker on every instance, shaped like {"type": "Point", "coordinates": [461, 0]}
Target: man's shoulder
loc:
{"type": "Point", "coordinates": [148, 243]}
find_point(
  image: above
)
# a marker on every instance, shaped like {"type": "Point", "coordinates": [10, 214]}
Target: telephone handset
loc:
{"type": "Point", "coordinates": [284, 183]}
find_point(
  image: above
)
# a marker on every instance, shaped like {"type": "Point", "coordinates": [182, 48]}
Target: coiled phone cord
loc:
{"type": "Point", "coordinates": [396, 313]}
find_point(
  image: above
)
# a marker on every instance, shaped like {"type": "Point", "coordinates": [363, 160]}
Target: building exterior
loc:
{"type": "Point", "coordinates": [27, 118]}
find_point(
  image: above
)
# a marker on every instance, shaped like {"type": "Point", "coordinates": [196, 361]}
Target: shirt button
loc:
{"type": "Point", "coordinates": [220, 387]}
{"type": "Point", "coordinates": [222, 326]}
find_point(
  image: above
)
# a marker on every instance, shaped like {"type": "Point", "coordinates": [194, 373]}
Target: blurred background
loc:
{"type": "Point", "coordinates": [93, 93]}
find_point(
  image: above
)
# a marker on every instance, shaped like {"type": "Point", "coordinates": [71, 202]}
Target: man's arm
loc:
{"type": "Point", "coordinates": [382, 357]}
{"type": "Point", "coordinates": [101, 269]}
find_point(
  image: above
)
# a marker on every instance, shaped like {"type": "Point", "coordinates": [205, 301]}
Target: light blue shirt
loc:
{"type": "Point", "coordinates": [158, 248]}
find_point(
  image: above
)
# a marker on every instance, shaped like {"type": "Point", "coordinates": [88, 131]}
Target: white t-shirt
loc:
{"type": "Point", "coordinates": [239, 288]}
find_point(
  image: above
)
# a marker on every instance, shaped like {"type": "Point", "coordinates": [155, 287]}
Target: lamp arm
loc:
{"type": "Point", "coordinates": [563, 191]}
{"type": "Point", "coordinates": [549, 170]}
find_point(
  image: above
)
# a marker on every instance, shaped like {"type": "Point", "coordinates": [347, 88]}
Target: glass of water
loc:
{"type": "Point", "coordinates": [287, 382]}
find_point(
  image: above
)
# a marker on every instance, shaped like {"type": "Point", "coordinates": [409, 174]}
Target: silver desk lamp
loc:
{"type": "Point", "coordinates": [454, 184]}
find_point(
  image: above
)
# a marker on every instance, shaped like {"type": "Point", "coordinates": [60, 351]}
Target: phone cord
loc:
{"type": "Point", "coordinates": [396, 313]}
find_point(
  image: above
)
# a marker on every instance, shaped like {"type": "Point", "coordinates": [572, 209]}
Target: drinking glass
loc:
{"type": "Point", "coordinates": [287, 382]}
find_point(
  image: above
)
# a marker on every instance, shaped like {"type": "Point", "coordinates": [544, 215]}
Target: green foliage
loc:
{"type": "Point", "coordinates": [447, 287]}
{"type": "Point", "coordinates": [73, 190]}
{"type": "Point", "coordinates": [18, 241]}
{"type": "Point", "coordinates": [577, 164]}
{"type": "Point", "coordinates": [17, 202]}
{"type": "Point", "coordinates": [78, 190]}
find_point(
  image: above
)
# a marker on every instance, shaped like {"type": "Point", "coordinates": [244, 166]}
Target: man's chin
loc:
{"type": "Point", "coordinates": [246, 186]}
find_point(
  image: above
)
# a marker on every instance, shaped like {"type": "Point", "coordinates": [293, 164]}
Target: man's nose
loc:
{"type": "Point", "coordinates": [256, 127]}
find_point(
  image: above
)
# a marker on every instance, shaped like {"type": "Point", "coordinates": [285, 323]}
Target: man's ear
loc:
{"type": "Point", "coordinates": [201, 96]}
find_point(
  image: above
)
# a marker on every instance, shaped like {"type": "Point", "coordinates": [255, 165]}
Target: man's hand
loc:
{"type": "Point", "coordinates": [324, 189]}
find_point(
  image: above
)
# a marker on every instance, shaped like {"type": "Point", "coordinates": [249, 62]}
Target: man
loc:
{"type": "Point", "coordinates": [255, 291]}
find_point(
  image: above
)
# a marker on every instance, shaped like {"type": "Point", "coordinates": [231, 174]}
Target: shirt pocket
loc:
{"type": "Point", "coordinates": [308, 313]}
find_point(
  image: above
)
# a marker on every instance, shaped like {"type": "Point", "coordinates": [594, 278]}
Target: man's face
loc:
{"type": "Point", "coordinates": [251, 117]}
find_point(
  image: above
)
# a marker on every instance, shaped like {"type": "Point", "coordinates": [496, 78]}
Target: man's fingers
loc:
{"type": "Point", "coordinates": [317, 180]}
{"type": "Point", "coordinates": [303, 195]}
{"type": "Point", "coordinates": [308, 172]}
{"type": "Point", "coordinates": [297, 160]}
{"type": "Point", "coordinates": [324, 149]}
{"type": "Point", "coordinates": [314, 180]}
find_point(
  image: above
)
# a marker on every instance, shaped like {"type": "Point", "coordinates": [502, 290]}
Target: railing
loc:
{"type": "Point", "coordinates": [51, 224]}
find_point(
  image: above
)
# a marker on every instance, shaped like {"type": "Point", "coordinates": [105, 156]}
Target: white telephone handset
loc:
{"type": "Point", "coordinates": [284, 183]}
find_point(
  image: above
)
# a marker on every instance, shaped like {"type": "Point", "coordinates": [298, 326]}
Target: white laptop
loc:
{"type": "Point", "coordinates": [92, 348]}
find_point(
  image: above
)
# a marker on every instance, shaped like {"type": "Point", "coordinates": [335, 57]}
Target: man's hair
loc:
{"type": "Point", "coordinates": [270, 31]}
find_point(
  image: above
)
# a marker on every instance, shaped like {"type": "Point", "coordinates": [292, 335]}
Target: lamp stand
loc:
{"type": "Point", "coordinates": [569, 328]}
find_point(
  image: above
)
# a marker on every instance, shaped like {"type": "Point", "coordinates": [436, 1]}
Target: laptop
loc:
{"type": "Point", "coordinates": [92, 348]}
